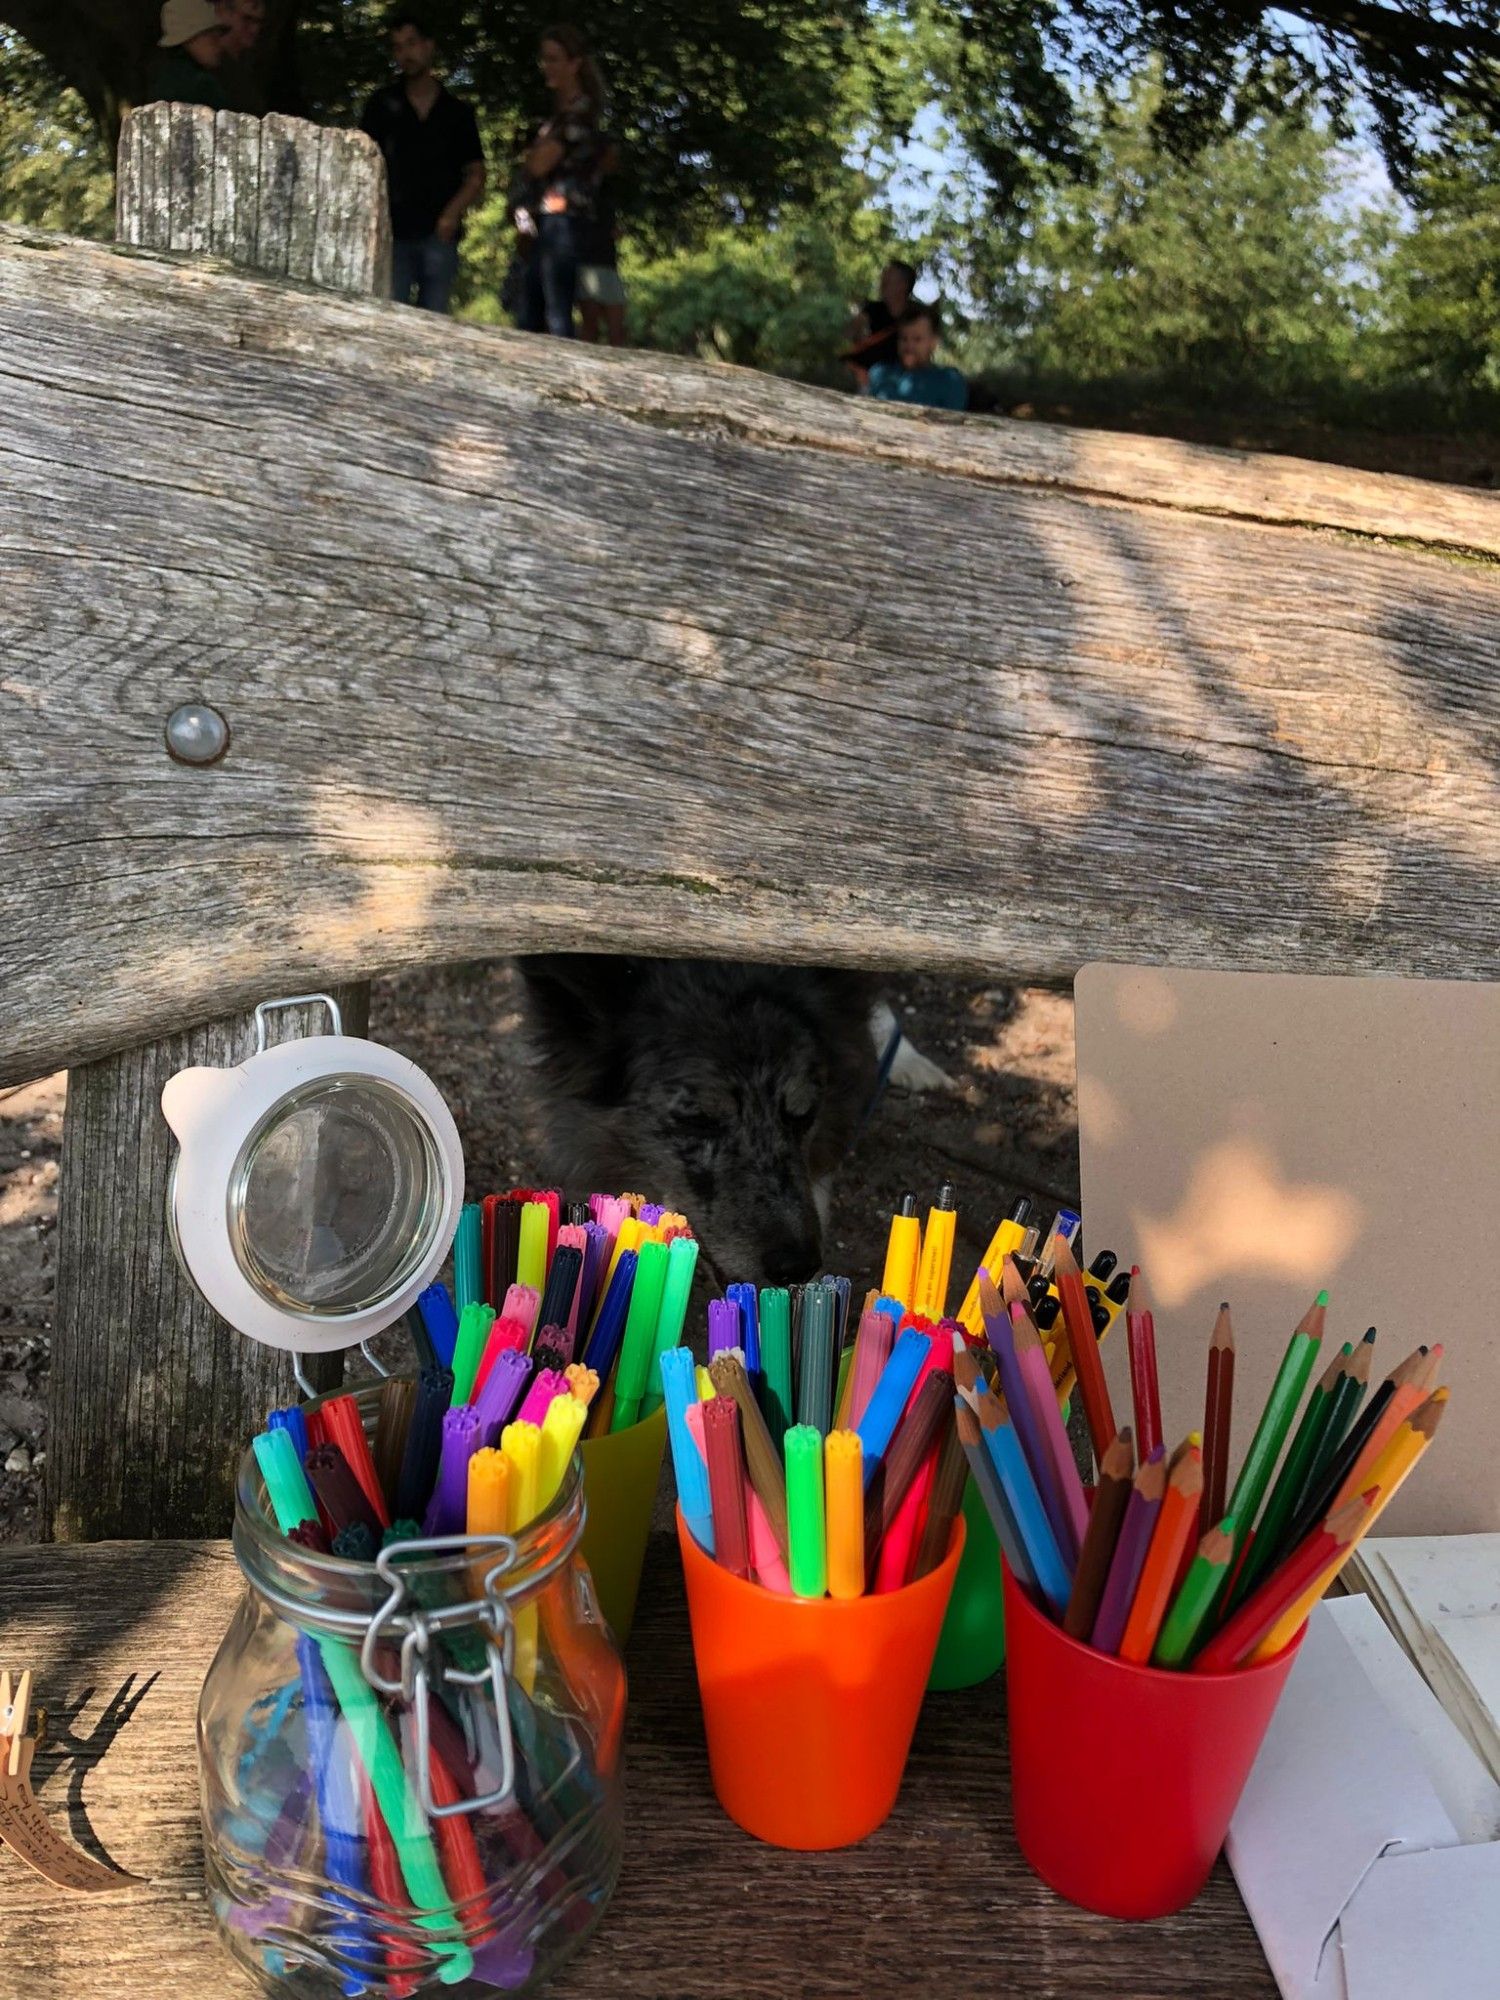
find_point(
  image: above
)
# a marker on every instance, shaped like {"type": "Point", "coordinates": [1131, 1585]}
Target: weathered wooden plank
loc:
{"type": "Point", "coordinates": [150, 1393]}
{"type": "Point", "coordinates": [938, 1901]}
{"type": "Point", "coordinates": [511, 665]}
{"type": "Point", "coordinates": [236, 216]}
{"type": "Point", "coordinates": [190, 202]}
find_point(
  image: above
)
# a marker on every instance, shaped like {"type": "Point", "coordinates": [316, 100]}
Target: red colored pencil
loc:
{"type": "Point", "coordinates": [1217, 1410]}
{"type": "Point", "coordinates": [1238, 1637]}
{"type": "Point", "coordinates": [1145, 1391]}
{"type": "Point", "coordinates": [402, 1957]}
{"type": "Point", "coordinates": [1084, 1344]}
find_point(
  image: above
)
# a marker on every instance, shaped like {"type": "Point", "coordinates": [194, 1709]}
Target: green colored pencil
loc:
{"type": "Point", "coordinates": [807, 1547]}
{"type": "Point", "coordinates": [1272, 1524]}
{"type": "Point", "coordinates": [1276, 1419]}
{"type": "Point", "coordinates": [1193, 1605]}
{"type": "Point", "coordinates": [1347, 1398]}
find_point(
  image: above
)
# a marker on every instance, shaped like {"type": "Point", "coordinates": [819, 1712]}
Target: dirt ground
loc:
{"type": "Point", "coordinates": [1009, 1127]}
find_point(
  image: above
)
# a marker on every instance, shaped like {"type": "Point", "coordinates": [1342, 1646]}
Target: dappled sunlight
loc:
{"type": "Point", "coordinates": [28, 1194]}
{"type": "Point", "coordinates": [1239, 1216]}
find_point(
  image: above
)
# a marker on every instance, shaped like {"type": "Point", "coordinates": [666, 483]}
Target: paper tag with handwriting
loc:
{"type": "Point", "coordinates": [26, 1828]}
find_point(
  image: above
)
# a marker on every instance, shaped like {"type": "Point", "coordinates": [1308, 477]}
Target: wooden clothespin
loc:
{"type": "Point", "coordinates": [24, 1827]}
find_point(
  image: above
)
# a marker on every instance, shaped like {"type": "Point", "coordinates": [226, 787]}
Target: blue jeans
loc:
{"type": "Point", "coordinates": [551, 279]}
{"type": "Point", "coordinates": [425, 265]}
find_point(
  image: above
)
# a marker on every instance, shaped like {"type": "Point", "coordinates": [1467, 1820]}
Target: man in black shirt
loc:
{"type": "Point", "coordinates": [434, 167]}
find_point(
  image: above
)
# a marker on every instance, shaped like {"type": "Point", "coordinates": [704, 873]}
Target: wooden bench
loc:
{"type": "Point", "coordinates": [522, 646]}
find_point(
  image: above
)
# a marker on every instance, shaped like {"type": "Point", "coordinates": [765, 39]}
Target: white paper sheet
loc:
{"type": "Point", "coordinates": [1424, 1927]}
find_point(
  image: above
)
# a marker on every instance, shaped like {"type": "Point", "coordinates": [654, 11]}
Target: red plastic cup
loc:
{"type": "Point", "coordinates": [1124, 1778]}
{"type": "Point", "coordinates": [809, 1704]}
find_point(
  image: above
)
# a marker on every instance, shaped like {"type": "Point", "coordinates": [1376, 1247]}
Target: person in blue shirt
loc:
{"type": "Point", "coordinates": [915, 376]}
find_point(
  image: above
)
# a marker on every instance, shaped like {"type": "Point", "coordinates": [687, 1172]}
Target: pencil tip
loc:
{"type": "Point", "coordinates": [1321, 1299]}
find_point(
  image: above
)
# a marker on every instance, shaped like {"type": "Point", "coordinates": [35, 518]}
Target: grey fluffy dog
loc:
{"type": "Point", "coordinates": [728, 1091]}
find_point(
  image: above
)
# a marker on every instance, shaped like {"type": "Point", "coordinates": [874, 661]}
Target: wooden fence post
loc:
{"type": "Point", "coordinates": [151, 1396]}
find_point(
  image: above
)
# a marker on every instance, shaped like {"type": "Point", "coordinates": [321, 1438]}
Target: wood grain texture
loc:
{"type": "Point", "coordinates": [527, 648]}
{"type": "Point", "coordinates": [939, 1901]}
{"type": "Point", "coordinates": [151, 1395]}
{"type": "Point", "coordinates": [277, 194]}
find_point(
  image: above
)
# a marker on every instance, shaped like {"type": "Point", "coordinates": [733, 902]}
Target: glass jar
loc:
{"type": "Point", "coordinates": [410, 1768]}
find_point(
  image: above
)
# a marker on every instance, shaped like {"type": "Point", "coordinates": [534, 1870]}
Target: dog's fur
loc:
{"type": "Point", "coordinates": [727, 1091]}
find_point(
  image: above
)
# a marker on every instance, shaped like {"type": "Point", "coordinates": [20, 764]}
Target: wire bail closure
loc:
{"type": "Point", "coordinates": [410, 1628]}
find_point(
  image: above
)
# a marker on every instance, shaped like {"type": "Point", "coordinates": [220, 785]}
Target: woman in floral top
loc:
{"type": "Point", "coordinates": [564, 165]}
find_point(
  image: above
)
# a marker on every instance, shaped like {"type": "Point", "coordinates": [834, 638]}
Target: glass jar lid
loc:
{"type": "Point", "coordinates": [317, 1187]}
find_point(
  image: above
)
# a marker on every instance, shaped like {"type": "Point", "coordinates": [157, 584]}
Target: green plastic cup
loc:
{"type": "Point", "coordinates": [621, 1472]}
{"type": "Point", "coordinates": [971, 1645]}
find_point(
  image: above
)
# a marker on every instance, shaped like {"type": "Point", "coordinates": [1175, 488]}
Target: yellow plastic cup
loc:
{"type": "Point", "coordinates": [621, 1472]}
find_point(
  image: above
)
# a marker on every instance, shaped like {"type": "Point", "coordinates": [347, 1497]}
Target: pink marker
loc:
{"type": "Point", "coordinates": [521, 1303]}
{"type": "Point", "coordinates": [550, 1383]}
{"type": "Point", "coordinates": [505, 1335]}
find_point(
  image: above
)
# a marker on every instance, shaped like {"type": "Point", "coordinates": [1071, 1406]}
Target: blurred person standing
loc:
{"type": "Point", "coordinates": [563, 165]}
{"type": "Point", "coordinates": [185, 69]}
{"type": "Point", "coordinates": [434, 165]}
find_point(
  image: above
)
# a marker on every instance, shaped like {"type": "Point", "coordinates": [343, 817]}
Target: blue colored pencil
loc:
{"type": "Point", "coordinates": [1034, 1528]}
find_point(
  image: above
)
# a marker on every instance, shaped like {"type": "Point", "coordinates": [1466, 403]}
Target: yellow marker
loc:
{"type": "Point", "coordinates": [562, 1427]}
{"type": "Point", "coordinates": [902, 1251]}
{"type": "Point", "coordinates": [629, 1238]}
{"type": "Point", "coordinates": [522, 1445]}
{"type": "Point", "coordinates": [937, 1257]}
{"type": "Point", "coordinates": [844, 1510]}
{"type": "Point", "coordinates": [705, 1381]}
{"type": "Point", "coordinates": [531, 1255]}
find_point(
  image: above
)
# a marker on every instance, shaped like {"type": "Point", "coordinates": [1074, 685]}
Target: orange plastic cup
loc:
{"type": "Point", "coordinates": [809, 1706]}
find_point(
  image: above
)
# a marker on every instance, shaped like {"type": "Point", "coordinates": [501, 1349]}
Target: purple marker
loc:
{"type": "Point", "coordinates": [503, 1388]}
{"type": "Point", "coordinates": [723, 1326]}
{"type": "Point", "coordinates": [651, 1213]}
{"type": "Point", "coordinates": [448, 1509]}
{"type": "Point", "coordinates": [596, 1246]}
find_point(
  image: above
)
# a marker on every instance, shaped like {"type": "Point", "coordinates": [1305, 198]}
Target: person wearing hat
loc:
{"type": "Point", "coordinates": [188, 56]}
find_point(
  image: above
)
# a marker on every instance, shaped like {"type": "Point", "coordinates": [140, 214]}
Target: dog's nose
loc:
{"type": "Point", "coordinates": [791, 1260]}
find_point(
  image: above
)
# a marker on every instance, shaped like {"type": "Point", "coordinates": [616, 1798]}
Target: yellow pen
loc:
{"type": "Point", "coordinates": [937, 1256]}
{"type": "Point", "coordinates": [902, 1252]}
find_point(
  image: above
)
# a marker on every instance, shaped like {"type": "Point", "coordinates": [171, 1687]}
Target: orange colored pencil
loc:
{"type": "Point", "coordinates": [1288, 1582]}
{"type": "Point", "coordinates": [1084, 1344]}
{"type": "Point", "coordinates": [1145, 1394]}
{"type": "Point", "coordinates": [1410, 1392]}
{"type": "Point", "coordinates": [1218, 1406]}
{"type": "Point", "coordinates": [1172, 1537]}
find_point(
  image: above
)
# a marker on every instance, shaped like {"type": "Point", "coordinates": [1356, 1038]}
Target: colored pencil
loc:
{"type": "Point", "coordinates": [1130, 1553]}
{"type": "Point", "coordinates": [1021, 1408]}
{"type": "Point", "coordinates": [1083, 1344]}
{"type": "Point", "coordinates": [1236, 1639]}
{"type": "Point", "coordinates": [1108, 1511]}
{"type": "Point", "coordinates": [1043, 1557]}
{"type": "Point", "coordinates": [726, 1484]}
{"type": "Point", "coordinates": [1145, 1390]}
{"type": "Point", "coordinates": [1193, 1605]}
{"type": "Point", "coordinates": [1270, 1530]}
{"type": "Point", "coordinates": [1276, 1418]}
{"type": "Point", "coordinates": [987, 1479]}
{"type": "Point", "coordinates": [1408, 1394]}
{"type": "Point", "coordinates": [943, 1503]}
{"type": "Point", "coordinates": [920, 1428]}
{"type": "Point", "coordinates": [1061, 1466]}
{"type": "Point", "coordinates": [1395, 1471]}
{"type": "Point", "coordinates": [1323, 1493]}
{"type": "Point", "coordinates": [1171, 1537]}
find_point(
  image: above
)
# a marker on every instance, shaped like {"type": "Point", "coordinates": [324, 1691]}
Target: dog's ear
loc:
{"type": "Point", "coordinates": [577, 1004]}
